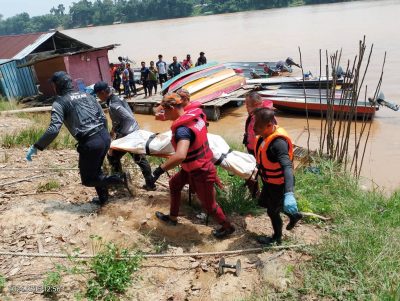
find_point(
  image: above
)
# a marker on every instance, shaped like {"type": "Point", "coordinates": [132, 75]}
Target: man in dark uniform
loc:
{"type": "Point", "coordinates": [274, 155]}
{"type": "Point", "coordinates": [123, 123]}
{"type": "Point", "coordinates": [85, 120]}
{"type": "Point", "coordinates": [192, 153]}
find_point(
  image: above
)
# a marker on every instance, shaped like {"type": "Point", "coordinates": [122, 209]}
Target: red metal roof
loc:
{"type": "Point", "coordinates": [12, 45]}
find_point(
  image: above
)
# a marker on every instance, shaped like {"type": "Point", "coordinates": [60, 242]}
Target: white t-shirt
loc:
{"type": "Point", "coordinates": [162, 67]}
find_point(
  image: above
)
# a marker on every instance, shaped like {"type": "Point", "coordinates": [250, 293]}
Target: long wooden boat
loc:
{"type": "Point", "coordinates": [288, 82]}
{"type": "Point", "coordinates": [186, 73]}
{"type": "Point", "coordinates": [194, 76]}
{"type": "Point", "coordinates": [204, 82]}
{"type": "Point", "coordinates": [219, 89]}
{"type": "Point", "coordinates": [316, 105]}
{"type": "Point", "coordinates": [314, 93]}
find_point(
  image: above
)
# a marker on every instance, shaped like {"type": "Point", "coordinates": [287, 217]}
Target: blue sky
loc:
{"type": "Point", "coordinates": [9, 8]}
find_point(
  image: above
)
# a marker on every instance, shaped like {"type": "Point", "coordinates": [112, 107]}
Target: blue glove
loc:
{"type": "Point", "coordinates": [290, 204]}
{"type": "Point", "coordinates": [31, 152]}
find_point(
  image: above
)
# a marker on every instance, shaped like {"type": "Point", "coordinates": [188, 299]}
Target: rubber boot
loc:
{"type": "Point", "coordinates": [225, 230]}
{"type": "Point", "coordinates": [293, 219]}
{"type": "Point", "coordinates": [102, 195]}
{"type": "Point", "coordinates": [115, 163]}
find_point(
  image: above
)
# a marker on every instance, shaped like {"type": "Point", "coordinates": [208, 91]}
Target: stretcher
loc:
{"type": "Point", "coordinates": [145, 142]}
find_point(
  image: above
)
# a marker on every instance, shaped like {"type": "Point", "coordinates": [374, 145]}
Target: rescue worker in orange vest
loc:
{"type": "Point", "coordinates": [274, 155]}
{"type": "Point", "coordinates": [252, 102]}
{"type": "Point", "coordinates": [189, 138]}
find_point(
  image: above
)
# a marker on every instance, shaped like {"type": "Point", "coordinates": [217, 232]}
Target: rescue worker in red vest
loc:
{"type": "Point", "coordinates": [189, 138]}
{"type": "Point", "coordinates": [252, 102]}
{"type": "Point", "coordinates": [186, 104]}
{"type": "Point", "coordinates": [274, 155]}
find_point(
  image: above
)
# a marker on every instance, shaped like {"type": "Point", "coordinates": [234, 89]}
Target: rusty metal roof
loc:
{"type": "Point", "coordinates": [17, 47]}
{"type": "Point", "coordinates": [12, 45]}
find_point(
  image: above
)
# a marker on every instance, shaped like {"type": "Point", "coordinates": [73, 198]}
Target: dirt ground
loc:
{"type": "Point", "coordinates": [63, 219]}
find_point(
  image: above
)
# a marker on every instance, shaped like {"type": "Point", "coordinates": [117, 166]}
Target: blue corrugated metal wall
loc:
{"type": "Point", "coordinates": [17, 82]}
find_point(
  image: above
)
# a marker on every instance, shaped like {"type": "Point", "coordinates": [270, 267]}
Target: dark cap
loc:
{"type": "Point", "coordinates": [201, 53]}
{"type": "Point", "coordinates": [62, 81]}
{"type": "Point", "coordinates": [100, 86]}
{"type": "Point", "coordinates": [59, 76]}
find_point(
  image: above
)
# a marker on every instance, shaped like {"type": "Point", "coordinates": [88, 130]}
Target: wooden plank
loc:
{"type": "Point", "coordinates": [27, 110]}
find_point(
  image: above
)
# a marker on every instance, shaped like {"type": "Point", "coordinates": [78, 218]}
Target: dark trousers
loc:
{"type": "Point", "coordinates": [145, 87]}
{"type": "Point", "coordinates": [140, 160]}
{"type": "Point", "coordinates": [202, 183]}
{"type": "Point", "coordinates": [117, 86]}
{"type": "Point", "coordinates": [126, 88]}
{"type": "Point", "coordinates": [163, 78]}
{"type": "Point", "coordinates": [92, 151]}
{"type": "Point", "coordinates": [271, 197]}
{"type": "Point", "coordinates": [150, 85]}
{"type": "Point", "coordinates": [132, 86]}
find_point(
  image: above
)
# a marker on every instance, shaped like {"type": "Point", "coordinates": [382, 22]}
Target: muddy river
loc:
{"type": "Point", "coordinates": [271, 35]}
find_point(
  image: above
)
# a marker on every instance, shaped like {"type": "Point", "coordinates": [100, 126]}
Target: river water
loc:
{"type": "Point", "coordinates": [275, 34]}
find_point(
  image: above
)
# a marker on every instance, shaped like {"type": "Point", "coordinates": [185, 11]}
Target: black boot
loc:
{"type": "Point", "coordinates": [102, 196]}
{"type": "Point", "coordinates": [223, 231]}
{"type": "Point", "coordinates": [293, 219]}
{"type": "Point", "coordinates": [115, 163]}
{"type": "Point", "coordinates": [145, 168]}
{"type": "Point", "coordinates": [268, 240]}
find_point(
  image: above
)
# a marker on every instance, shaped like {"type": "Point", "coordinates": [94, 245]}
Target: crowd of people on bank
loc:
{"type": "Point", "coordinates": [122, 74]}
{"type": "Point", "coordinates": [264, 139]}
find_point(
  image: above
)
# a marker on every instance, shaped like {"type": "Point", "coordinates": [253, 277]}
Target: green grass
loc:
{"type": "Point", "coordinates": [28, 136]}
{"type": "Point", "coordinates": [106, 276]}
{"type": "Point", "coordinates": [51, 284]}
{"type": "Point", "coordinates": [235, 196]}
{"type": "Point", "coordinates": [2, 282]}
{"type": "Point", "coordinates": [360, 258]}
{"type": "Point", "coordinates": [48, 186]}
{"type": "Point", "coordinates": [7, 105]}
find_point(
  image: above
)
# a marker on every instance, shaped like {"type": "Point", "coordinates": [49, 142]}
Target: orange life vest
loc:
{"type": "Point", "coordinates": [271, 172]}
{"type": "Point", "coordinates": [199, 153]}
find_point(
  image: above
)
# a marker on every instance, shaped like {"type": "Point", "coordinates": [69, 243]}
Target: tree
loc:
{"type": "Point", "coordinates": [59, 11]}
{"type": "Point", "coordinates": [81, 13]}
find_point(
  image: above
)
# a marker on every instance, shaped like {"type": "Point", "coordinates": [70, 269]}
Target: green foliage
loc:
{"type": "Point", "coordinates": [51, 283]}
{"type": "Point", "coordinates": [113, 269]}
{"type": "Point", "coordinates": [105, 12]}
{"type": "Point", "coordinates": [7, 105]}
{"type": "Point", "coordinates": [29, 136]}
{"type": "Point", "coordinates": [235, 196]}
{"type": "Point", "coordinates": [48, 186]}
{"type": "Point", "coordinates": [2, 282]}
{"type": "Point", "coordinates": [106, 276]}
{"type": "Point", "coordinates": [360, 259]}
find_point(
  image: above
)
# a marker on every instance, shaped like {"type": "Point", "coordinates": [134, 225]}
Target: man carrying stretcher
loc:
{"type": "Point", "coordinates": [189, 139]}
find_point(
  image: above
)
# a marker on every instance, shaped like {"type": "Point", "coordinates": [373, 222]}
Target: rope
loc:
{"type": "Point", "coordinates": [38, 169]}
{"type": "Point", "coordinates": [233, 252]}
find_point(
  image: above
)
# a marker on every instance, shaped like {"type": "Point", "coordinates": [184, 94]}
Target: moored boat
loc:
{"type": "Point", "coordinates": [317, 106]}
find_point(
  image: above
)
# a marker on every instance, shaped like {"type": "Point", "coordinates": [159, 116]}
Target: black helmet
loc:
{"type": "Point", "coordinates": [62, 81]}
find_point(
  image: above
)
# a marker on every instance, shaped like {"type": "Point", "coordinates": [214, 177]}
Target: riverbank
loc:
{"type": "Point", "coordinates": [353, 256]}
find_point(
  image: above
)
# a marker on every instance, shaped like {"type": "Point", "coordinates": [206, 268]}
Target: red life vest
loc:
{"type": "Point", "coordinates": [199, 153]}
{"type": "Point", "coordinates": [271, 172]}
{"type": "Point", "coordinates": [250, 136]}
{"type": "Point", "coordinates": [192, 105]}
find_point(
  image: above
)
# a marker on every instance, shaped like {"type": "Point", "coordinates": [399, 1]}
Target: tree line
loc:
{"type": "Point", "coordinates": [105, 12]}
